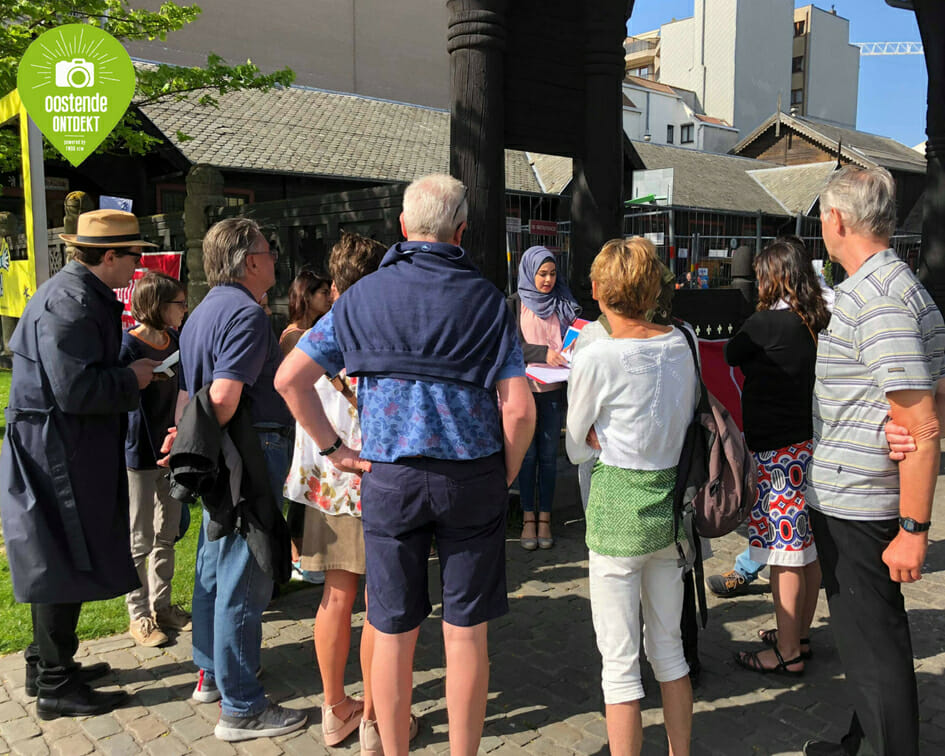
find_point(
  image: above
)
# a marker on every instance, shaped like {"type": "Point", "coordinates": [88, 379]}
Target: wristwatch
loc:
{"type": "Point", "coordinates": [911, 526]}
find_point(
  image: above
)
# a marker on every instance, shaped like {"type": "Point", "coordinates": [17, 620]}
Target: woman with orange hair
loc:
{"type": "Point", "coordinates": [632, 396]}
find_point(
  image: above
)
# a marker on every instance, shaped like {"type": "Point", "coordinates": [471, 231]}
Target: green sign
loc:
{"type": "Point", "coordinates": [76, 82]}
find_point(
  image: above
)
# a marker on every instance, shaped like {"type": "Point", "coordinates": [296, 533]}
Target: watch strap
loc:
{"type": "Point", "coordinates": [911, 526]}
{"type": "Point", "coordinates": [331, 449]}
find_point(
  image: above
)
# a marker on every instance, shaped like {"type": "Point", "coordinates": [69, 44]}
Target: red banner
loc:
{"type": "Point", "coordinates": [164, 262]}
{"type": "Point", "coordinates": [725, 382]}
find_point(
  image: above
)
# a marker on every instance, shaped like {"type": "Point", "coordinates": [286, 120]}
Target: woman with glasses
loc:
{"type": "Point", "coordinates": [159, 304]}
{"type": "Point", "coordinates": [543, 308]}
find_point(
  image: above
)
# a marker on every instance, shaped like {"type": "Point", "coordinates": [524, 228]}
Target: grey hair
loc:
{"type": "Point", "coordinates": [225, 248]}
{"type": "Point", "coordinates": [864, 197]}
{"type": "Point", "coordinates": [435, 205]}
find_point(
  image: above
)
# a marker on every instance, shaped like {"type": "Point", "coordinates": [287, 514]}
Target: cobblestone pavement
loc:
{"type": "Point", "coordinates": [544, 692]}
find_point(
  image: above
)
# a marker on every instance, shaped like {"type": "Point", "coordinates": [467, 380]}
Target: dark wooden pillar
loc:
{"type": "Point", "coordinates": [597, 198]}
{"type": "Point", "coordinates": [476, 44]}
{"type": "Point", "coordinates": [931, 17]}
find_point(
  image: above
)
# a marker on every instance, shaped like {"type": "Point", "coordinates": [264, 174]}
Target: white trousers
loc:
{"type": "Point", "coordinates": [619, 585]}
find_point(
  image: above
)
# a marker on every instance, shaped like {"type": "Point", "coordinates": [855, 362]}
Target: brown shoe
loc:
{"type": "Point", "coordinates": [727, 584]}
{"type": "Point", "coordinates": [173, 618]}
{"type": "Point", "coordinates": [145, 632]}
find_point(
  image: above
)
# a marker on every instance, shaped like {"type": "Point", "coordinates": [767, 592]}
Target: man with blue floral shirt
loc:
{"type": "Point", "coordinates": [434, 348]}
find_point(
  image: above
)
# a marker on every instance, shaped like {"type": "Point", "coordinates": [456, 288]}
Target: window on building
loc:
{"type": "Point", "coordinates": [643, 72]}
{"type": "Point", "coordinates": [797, 96]}
{"type": "Point", "coordinates": [669, 134]}
{"type": "Point", "coordinates": [797, 64]}
{"type": "Point", "coordinates": [685, 133]}
{"type": "Point", "coordinates": [800, 28]}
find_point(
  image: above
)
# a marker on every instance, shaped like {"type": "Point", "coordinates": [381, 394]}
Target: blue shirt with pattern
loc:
{"type": "Point", "coordinates": [406, 418]}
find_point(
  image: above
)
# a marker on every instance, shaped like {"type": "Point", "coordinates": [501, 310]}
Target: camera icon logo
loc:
{"type": "Point", "coordinates": [77, 73]}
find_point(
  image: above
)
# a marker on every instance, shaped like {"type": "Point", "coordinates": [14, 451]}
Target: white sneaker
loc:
{"type": "Point", "coordinates": [206, 690]}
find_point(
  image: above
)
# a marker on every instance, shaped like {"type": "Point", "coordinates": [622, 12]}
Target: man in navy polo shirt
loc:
{"type": "Point", "coordinates": [229, 344]}
{"type": "Point", "coordinates": [433, 345]}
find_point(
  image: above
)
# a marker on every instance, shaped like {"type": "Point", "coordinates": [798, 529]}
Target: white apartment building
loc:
{"type": "Point", "coordinates": [742, 58]}
{"type": "Point", "coordinates": [661, 114]}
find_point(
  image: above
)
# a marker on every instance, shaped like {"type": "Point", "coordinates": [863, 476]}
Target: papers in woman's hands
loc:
{"type": "Point", "coordinates": [165, 367]}
{"type": "Point", "coordinates": [548, 374]}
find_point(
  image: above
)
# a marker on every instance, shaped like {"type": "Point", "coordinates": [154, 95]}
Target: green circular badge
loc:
{"type": "Point", "coordinates": [76, 82]}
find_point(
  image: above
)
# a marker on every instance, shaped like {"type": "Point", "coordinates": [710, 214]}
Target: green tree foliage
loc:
{"type": "Point", "coordinates": [25, 20]}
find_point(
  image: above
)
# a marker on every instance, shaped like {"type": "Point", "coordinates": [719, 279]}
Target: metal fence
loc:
{"type": "Point", "coordinates": [701, 241]}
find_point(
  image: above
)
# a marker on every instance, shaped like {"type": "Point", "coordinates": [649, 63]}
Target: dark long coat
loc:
{"type": "Point", "coordinates": [63, 483]}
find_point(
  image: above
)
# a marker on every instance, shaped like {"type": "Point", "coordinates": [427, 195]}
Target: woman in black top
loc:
{"type": "Point", "coordinates": [776, 349]}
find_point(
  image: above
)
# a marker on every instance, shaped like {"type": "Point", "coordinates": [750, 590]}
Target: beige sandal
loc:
{"type": "Point", "coordinates": [529, 539]}
{"type": "Point", "coordinates": [545, 539]}
{"type": "Point", "coordinates": [370, 737]}
{"type": "Point", "coordinates": [334, 728]}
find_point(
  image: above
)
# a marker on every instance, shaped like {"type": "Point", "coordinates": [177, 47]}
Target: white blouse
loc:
{"type": "Point", "coordinates": [638, 394]}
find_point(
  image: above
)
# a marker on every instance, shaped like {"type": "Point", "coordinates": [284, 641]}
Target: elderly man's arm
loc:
{"type": "Point", "coordinates": [518, 422]}
{"type": "Point", "coordinates": [295, 380]}
{"type": "Point", "coordinates": [915, 410]}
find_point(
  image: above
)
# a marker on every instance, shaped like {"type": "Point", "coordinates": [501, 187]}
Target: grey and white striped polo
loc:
{"type": "Point", "coordinates": [886, 334]}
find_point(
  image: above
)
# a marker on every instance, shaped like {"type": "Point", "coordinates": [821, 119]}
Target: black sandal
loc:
{"type": "Point", "coordinates": [770, 639]}
{"type": "Point", "coordinates": [749, 660]}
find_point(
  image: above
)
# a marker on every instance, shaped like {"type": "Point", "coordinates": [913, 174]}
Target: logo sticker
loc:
{"type": "Point", "coordinates": [76, 82]}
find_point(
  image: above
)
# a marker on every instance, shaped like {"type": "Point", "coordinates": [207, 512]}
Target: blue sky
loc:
{"type": "Point", "coordinates": [892, 93]}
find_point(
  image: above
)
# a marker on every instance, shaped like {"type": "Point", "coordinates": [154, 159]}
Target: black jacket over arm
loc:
{"type": "Point", "coordinates": [199, 469]}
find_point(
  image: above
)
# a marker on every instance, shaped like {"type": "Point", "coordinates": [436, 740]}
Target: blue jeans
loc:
{"type": "Point", "coordinates": [231, 591]}
{"type": "Point", "coordinates": [541, 459]}
{"type": "Point", "coordinates": [745, 567]}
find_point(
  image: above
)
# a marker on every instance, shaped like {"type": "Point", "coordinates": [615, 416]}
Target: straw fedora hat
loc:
{"type": "Point", "coordinates": [107, 228]}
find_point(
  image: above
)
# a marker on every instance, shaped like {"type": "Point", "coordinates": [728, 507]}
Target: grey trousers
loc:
{"type": "Point", "coordinates": [155, 522]}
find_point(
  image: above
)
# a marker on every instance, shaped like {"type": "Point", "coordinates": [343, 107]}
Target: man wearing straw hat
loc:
{"type": "Point", "coordinates": [63, 485]}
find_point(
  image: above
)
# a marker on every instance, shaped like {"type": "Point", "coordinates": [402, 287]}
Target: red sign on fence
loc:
{"type": "Point", "coordinates": [165, 262]}
{"type": "Point", "coordinates": [543, 228]}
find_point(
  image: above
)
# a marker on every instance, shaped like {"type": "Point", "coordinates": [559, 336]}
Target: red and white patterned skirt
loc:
{"type": "Point", "coordinates": [778, 526]}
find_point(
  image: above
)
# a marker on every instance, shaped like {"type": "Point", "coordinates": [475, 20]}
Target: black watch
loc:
{"type": "Point", "coordinates": [331, 449]}
{"type": "Point", "coordinates": [911, 526]}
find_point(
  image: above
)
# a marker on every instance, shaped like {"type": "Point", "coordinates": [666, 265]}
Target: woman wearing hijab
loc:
{"type": "Point", "coordinates": [543, 308]}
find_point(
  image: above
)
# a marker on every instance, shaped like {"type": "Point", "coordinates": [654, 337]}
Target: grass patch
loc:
{"type": "Point", "coordinates": [98, 618]}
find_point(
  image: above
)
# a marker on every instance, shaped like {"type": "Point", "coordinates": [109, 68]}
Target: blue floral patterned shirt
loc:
{"type": "Point", "coordinates": [404, 418]}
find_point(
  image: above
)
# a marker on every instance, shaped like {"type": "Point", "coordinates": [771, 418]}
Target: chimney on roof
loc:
{"type": "Point", "coordinates": [833, 9]}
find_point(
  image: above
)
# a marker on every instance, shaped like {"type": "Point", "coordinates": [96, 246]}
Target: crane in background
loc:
{"type": "Point", "coordinates": [889, 48]}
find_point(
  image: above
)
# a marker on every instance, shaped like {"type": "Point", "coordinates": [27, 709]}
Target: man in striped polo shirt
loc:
{"type": "Point", "coordinates": [881, 356]}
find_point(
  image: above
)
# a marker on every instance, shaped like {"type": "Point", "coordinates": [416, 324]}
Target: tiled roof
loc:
{"type": "Point", "coordinates": [859, 147]}
{"type": "Point", "coordinates": [312, 132]}
{"type": "Point", "coordinates": [710, 119]}
{"type": "Point", "coordinates": [708, 180]}
{"type": "Point", "coordinates": [797, 187]}
{"type": "Point", "coordinates": [554, 172]}
{"type": "Point", "coordinates": [648, 84]}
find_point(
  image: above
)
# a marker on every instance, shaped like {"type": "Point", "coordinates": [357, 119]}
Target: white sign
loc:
{"type": "Point", "coordinates": [658, 238]}
{"type": "Point", "coordinates": [682, 253]}
{"type": "Point", "coordinates": [513, 225]}
{"type": "Point", "coordinates": [718, 253]}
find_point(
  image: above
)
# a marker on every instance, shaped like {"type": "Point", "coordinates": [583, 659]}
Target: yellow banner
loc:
{"type": "Point", "coordinates": [18, 277]}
